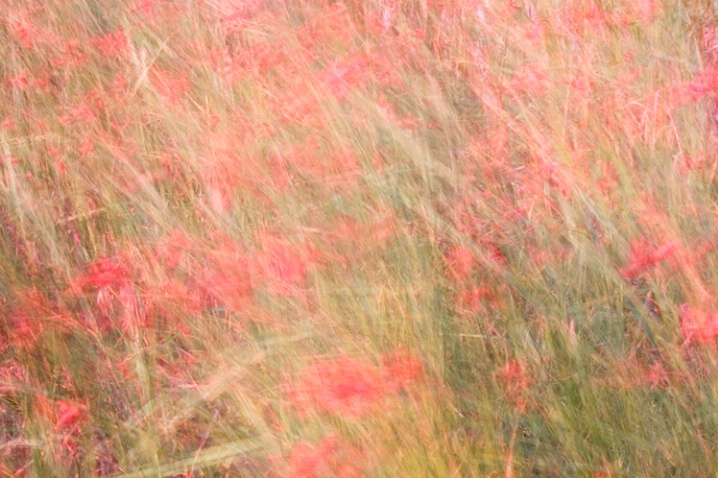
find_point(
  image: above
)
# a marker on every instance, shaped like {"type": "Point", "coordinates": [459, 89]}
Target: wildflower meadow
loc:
{"type": "Point", "coordinates": [358, 238]}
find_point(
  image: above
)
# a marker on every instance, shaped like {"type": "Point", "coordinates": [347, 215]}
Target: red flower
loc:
{"type": "Point", "coordinates": [346, 75]}
{"type": "Point", "coordinates": [401, 368]}
{"type": "Point", "coordinates": [101, 274]}
{"type": "Point", "coordinates": [461, 262]}
{"type": "Point", "coordinates": [281, 265]}
{"type": "Point", "coordinates": [472, 298]}
{"type": "Point", "coordinates": [307, 461]}
{"type": "Point", "coordinates": [704, 84]}
{"type": "Point", "coordinates": [698, 325]}
{"type": "Point", "coordinates": [331, 457]}
{"type": "Point", "coordinates": [347, 386]}
{"type": "Point", "coordinates": [112, 44]}
{"type": "Point", "coordinates": [170, 85]}
{"type": "Point", "coordinates": [341, 385]}
{"type": "Point", "coordinates": [69, 414]}
{"type": "Point", "coordinates": [643, 256]}
{"type": "Point", "coordinates": [516, 383]}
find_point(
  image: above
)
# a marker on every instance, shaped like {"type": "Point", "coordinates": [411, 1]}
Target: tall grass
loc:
{"type": "Point", "coordinates": [345, 238]}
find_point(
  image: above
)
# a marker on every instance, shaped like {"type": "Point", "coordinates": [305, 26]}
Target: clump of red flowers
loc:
{"type": "Point", "coordinates": [643, 256]}
{"type": "Point", "coordinates": [101, 274]}
{"type": "Point", "coordinates": [351, 387]}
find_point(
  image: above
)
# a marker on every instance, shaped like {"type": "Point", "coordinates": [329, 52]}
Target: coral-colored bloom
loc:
{"type": "Point", "coordinates": [171, 248]}
{"type": "Point", "coordinates": [350, 387]}
{"type": "Point", "coordinates": [307, 461]}
{"type": "Point", "coordinates": [516, 383]}
{"type": "Point", "coordinates": [230, 288]}
{"type": "Point", "coordinates": [472, 298]}
{"type": "Point", "coordinates": [331, 457]}
{"type": "Point", "coordinates": [170, 85]}
{"type": "Point", "coordinates": [69, 414]}
{"type": "Point", "coordinates": [644, 256]}
{"type": "Point", "coordinates": [345, 75]}
{"type": "Point", "coordinates": [112, 44]}
{"type": "Point", "coordinates": [80, 114]}
{"type": "Point", "coordinates": [655, 376]}
{"type": "Point", "coordinates": [401, 368]}
{"type": "Point", "coordinates": [281, 265]}
{"type": "Point", "coordinates": [705, 82]}
{"type": "Point", "coordinates": [698, 325]}
{"type": "Point", "coordinates": [461, 261]}
{"type": "Point", "coordinates": [341, 385]}
{"type": "Point", "coordinates": [12, 376]}
{"type": "Point", "coordinates": [172, 298]}
{"type": "Point", "coordinates": [648, 10]}
{"type": "Point", "coordinates": [582, 17]}
{"type": "Point", "coordinates": [531, 79]}
{"type": "Point", "coordinates": [101, 274]}
{"type": "Point", "coordinates": [71, 55]}
{"type": "Point", "coordinates": [226, 280]}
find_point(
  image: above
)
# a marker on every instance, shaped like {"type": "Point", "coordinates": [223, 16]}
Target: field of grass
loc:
{"type": "Point", "coordinates": [360, 238]}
